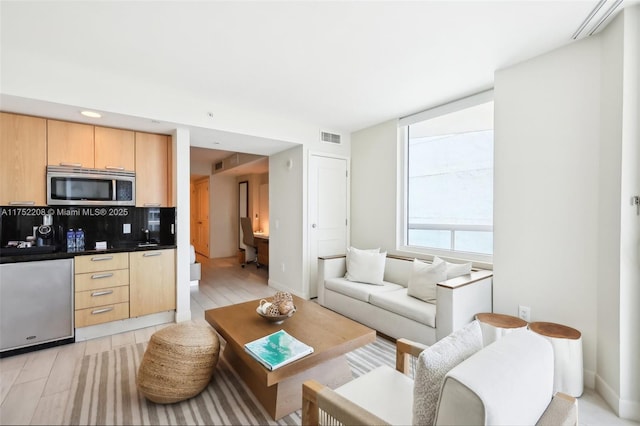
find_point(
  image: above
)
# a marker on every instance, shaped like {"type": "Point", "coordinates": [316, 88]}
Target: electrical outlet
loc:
{"type": "Point", "coordinates": [524, 312]}
{"type": "Point", "coordinates": [126, 228]}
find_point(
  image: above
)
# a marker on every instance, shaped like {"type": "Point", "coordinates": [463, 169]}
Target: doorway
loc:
{"type": "Point", "coordinates": [328, 211]}
{"type": "Point", "coordinates": [200, 216]}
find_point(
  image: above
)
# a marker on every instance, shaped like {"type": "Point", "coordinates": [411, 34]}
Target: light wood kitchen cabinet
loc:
{"type": "Point", "coordinates": [152, 281]}
{"type": "Point", "coordinates": [70, 144]}
{"type": "Point", "coordinates": [114, 149]}
{"type": "Point", "coordinates": [153, 180]}
{"type": "Point", "coordinates": [101, 288]}
{"type": "Point", "coordinates": [23, 157]}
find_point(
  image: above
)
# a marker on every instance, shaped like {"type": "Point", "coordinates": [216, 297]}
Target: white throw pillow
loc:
{"type": "Point", "coordinates": [425, 277]}
{"type": "Point", "coordinates": [365, 266]}
{"type": "Point", "coordinates": [433, 365]}
{"type": "Point", "coordinates": [456, 269]}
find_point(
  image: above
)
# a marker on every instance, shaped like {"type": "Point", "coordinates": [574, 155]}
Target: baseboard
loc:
{"type": "Point", "coordinates": [183, 316]}
{"type": "Point", "coordinates": [630, 410]}
{"type": "Point", "coordinates": [281, 287]}
{"type": "Point", "coordinates": [121, 326]}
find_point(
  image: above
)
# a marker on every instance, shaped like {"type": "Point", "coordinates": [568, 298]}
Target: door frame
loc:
{"type": "Point", "coordinates": [307, 221]}
{"type": "Point", "coordinates": [243, 194]}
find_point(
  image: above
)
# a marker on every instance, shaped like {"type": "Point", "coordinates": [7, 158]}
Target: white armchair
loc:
{"type": "Point", "coordinates": [508, 382]}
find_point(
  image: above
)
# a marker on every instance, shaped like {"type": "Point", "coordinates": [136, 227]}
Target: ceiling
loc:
{"type": "Point", "coordinates": [342, 65]}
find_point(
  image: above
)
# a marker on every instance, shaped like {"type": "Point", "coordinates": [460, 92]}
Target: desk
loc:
{"type": "Point", "coordinates": [262, 244]}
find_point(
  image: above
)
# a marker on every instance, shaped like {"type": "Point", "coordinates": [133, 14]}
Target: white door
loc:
{"type": "Point", "coordinates": [328, 183]}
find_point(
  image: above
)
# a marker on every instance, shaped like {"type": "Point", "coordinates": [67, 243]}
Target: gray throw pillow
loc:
{"type": "Point", "coordinates": [435, 362]}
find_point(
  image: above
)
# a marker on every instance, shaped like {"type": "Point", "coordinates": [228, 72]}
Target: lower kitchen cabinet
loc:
{"type": "Point", "coordinates": [101, 288]}
{"type": "Point", "coordinates": [152, 282]}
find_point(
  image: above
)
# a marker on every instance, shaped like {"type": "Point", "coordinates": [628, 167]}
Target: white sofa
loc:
{"type": "Point", "coordinates": [457, 382]}
{"type": "Point", "coordinates": [388, 309]}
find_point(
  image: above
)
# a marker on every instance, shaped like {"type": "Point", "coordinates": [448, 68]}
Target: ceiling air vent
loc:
{"type": "Point", "coordinates": [330, 137]}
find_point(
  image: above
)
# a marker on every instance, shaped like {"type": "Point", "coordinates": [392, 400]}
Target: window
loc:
{"type": "Point", "coordinates": [448, 179]}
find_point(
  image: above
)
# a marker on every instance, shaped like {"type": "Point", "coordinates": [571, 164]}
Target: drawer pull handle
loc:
{"type": "Point", "coordinates": [98, 276]}
{"type": "Point", "coordinates": [151, 205]}
{"type": "Point", "coordinates": [157, 253]}
{"type": "Point", "coordinates": [22, 203]}
{"type": "Point", "coordinates": [71, 164]}
{"type": "Point", "coordinates": [102, 311]}
{"type": "Point", "coordinates": [101, 293]}
{"type": "Point", "coordinates": [114, 167]}
{"type": "Point", "coordinates": [97, 259]}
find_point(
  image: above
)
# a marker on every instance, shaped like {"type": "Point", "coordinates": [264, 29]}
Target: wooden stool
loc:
{"type": "Point", "coordinates": [179, 362]}
{"type": "Point", "coordinates": [567, 356]}
{"type": "Point", "coordinates": [494, 326]}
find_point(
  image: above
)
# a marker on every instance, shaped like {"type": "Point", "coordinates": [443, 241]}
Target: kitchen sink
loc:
{"type": "Point", "coordinates": [147, 244]}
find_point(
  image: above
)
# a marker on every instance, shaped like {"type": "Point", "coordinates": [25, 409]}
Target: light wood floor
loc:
{"type": "Point", "coordinates": [34, 387]}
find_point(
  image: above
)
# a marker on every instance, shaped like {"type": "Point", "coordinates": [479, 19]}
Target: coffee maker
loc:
{"type": "Point", "coordinates": [45, 234]}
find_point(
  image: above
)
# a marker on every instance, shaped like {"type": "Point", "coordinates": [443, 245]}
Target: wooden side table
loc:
{"type": "Point", "coordinates": [567, 356]}
{"type": "Point", "coordinates": [494, 326]}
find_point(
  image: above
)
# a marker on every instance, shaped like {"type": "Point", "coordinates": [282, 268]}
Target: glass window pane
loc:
{"type": "Point", "coordinates": [430, 238]}
{"type": "Point", "coordinates": [474, 241]}
{"type": "Point", "coordinates": [450, 181]}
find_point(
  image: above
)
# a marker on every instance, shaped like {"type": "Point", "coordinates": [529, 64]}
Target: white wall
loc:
{"type": "Point", "coordinates": [566, 239]}
{"type": "Point", "coordinates": [286, 209]}
{"type": "Point", "coordinates": [630, 221]}
{"type": "Point", "coordinates": [374, 169]}
{"type": "Point", "coordinates": [547, 115]}
{"type": "Point", "coordinates": [608, 348]}
{"type": "Point", "coordinates": [180, 145]}
{"type": "Point", "coordinates": [223, 222]}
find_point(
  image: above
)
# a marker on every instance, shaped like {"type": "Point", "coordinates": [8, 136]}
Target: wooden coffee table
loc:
{"type": "Point", "coordinates": [280, 391]}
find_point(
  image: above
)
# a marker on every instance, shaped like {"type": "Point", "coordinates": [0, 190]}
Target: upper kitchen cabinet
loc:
{"type": "Point", "coordinates": [23, 157]}
{"type": "Point", "coordinates": [153, 175]}
{"type": "Point", "coordinates": [70, 144]}
{"type": "Point", "coordinates": [114, 149]}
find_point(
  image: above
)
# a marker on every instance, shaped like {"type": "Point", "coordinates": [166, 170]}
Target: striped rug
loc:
{"type": "Point", "coordinates": [104, 392]}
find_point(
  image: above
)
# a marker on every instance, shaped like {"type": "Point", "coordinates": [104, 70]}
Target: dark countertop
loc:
{"type": "Point", "coordinates": [11, 256]}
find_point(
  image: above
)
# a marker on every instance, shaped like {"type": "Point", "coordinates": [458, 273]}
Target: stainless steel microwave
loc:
{"type": "Point", "coordinates": [81, 186]}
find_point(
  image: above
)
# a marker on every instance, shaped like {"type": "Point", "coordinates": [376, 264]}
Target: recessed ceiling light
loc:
{"type": "Point", "coordinates": [91, 114]}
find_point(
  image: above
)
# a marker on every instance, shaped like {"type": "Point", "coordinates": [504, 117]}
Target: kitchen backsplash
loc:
{"type": "Point", "coordinates": [107, 224]}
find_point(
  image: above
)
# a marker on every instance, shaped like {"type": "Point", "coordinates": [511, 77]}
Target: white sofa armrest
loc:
{"type": "Point", "coordinates": [460, 299]}
{"type": "Point", "coordinates": [509, 382]}
{"type": "Point", "coordinates": [330, 267]}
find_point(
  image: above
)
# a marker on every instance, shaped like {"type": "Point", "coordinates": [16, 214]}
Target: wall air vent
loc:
{"type": "Point", "coordinates": [330, 137]}
{"type": "Point", "coordinates": [218, 166]}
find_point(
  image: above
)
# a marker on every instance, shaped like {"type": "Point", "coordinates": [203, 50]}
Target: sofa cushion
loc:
{"type": "Point", "coordinates": [425, 277]}
{"type": "Point", "coordinates": [399, 302]}
{"type": "Point", "coordinates": [385, 392]}
{"type": "Point", "coordinates": [365, 266]}
{"type": "Point", "coordinates": [358, 290]}
{"type": "Point", "coordinates": [435, 362]}
{"type": "Point", "coordinates": [456, 269]}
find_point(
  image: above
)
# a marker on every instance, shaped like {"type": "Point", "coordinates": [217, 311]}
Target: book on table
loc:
{"type": "Point", "coordinates": [277, 349]}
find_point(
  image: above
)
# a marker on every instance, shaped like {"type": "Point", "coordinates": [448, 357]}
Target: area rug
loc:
{"type": "Point", "coordinates": [104, 392]}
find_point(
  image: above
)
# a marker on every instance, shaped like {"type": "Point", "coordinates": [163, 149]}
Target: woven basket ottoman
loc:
{"type": "Point", "coordinates": [178, 363]}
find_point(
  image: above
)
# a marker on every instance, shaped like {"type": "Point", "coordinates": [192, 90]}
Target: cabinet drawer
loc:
{"type": "Point", "coordinates": [102, 279]}
{"type": "Point", "coordinates": [103, 296]}
{"type": "Point", "coordinates": [101, 262]}
{"type": "Point", "coordinates": [101, 314]}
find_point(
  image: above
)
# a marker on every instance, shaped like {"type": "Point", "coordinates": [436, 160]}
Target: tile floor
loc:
{"type": "Point", "coordinates": [34, 387]}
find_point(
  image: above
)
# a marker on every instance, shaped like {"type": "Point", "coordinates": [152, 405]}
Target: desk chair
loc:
{"type": "Point", "coordinates": [247, 239]}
